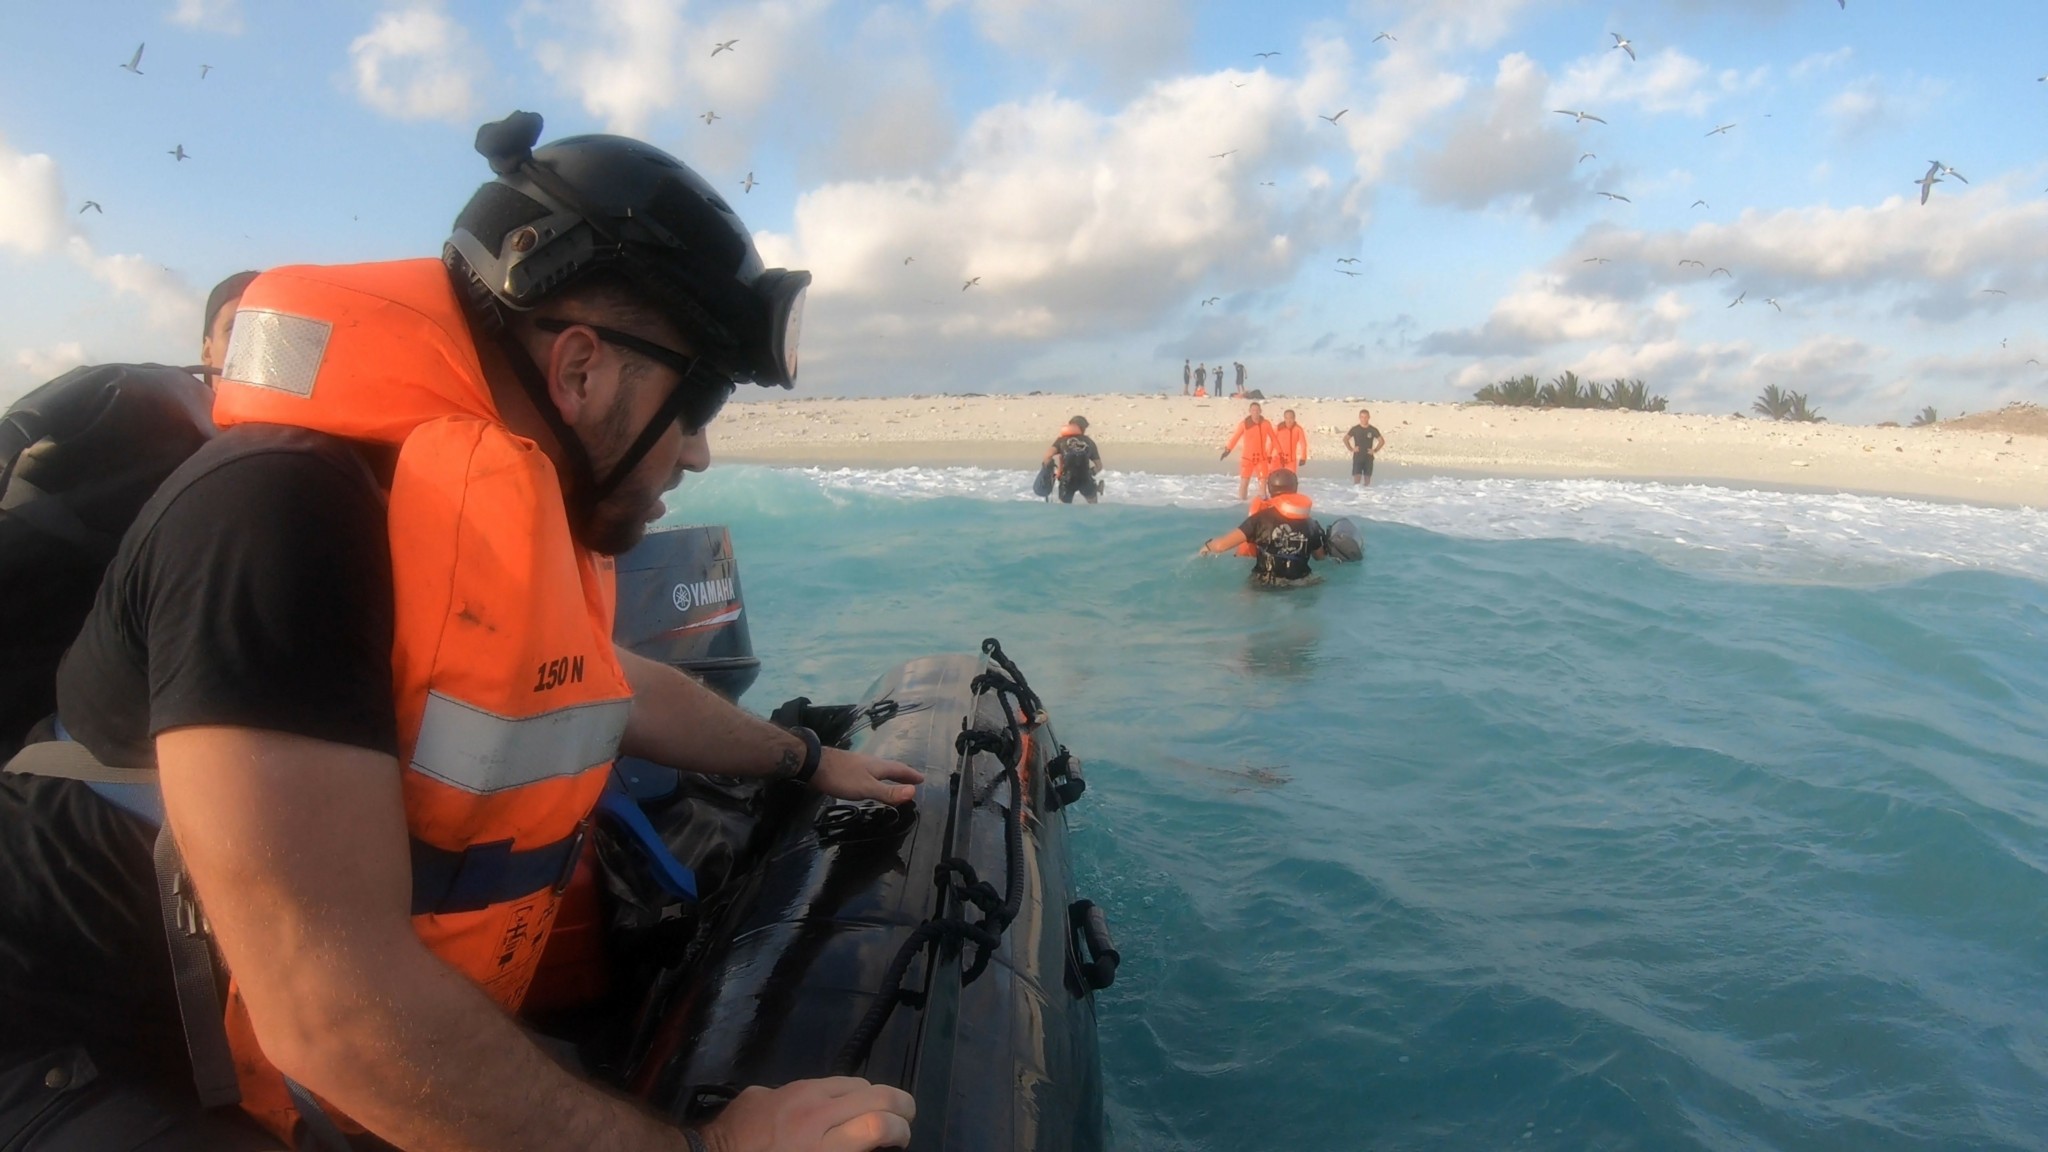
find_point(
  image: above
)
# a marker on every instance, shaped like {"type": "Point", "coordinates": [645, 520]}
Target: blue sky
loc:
{"type": "Point", "coordinates": [1061, 150]}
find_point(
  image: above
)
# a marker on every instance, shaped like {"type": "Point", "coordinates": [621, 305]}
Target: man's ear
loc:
{"type": "Point", "coordinates": [571, 361]}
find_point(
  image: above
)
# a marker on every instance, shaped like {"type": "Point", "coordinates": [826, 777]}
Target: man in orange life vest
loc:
{"type": "Point", "coordinates": [323, 636]}
{"type": "Point", "coordinates": [1257, 434]}
{"type": "Point", "coordinates": [1281, 531]}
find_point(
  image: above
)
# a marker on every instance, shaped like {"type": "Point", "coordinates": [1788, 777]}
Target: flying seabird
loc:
{"type": "Point", "coordinates": [1266, 184]}
{"type": "Point", "coordinates": [1235, 84]}
{"type": "Point", "coordinates": [1992, 291]}
{"type": "Point", "coordinates": [1386, 36]}
{"type": "Point", "coordinates": [204, 69]}
{"type": "Point", "coordinates": [1945, 170]}
{"type": "Point", "coordinates": [1221, 155]}
{"type": "Point", "coordinates": [1694, 263]}
{"type": "Point", "coordinates": [1585, 156]}
{"type": "Point", "coordinates": [709, 116]}
{"type": "Point", "coordinates": [1625, 45]}
{"type": "Point", "coordinates": [1263, 55]}
{"type": "Point", "coordinates": [724, 47]}
{"type": "Point", "coordinates": [178, 152]}
{"type": "Point", "coordinates": [970, 284]}
{"type": "Point", "coordinates": [1594, 260]}
{"type": "Point", "coordinates": [749, 182]}
{"type": "Point", "coordinates": [1346, 272]}
{"type": "Point", "coordinates": [1773, 302]}
{"type": "Point", "coordinates": [1720, 272]}
{"type": "Point", "coordinates": [1347, 259]}
{"type": "Point", "coordinates": [908, 259]}
{"type": "Point", "coordinates": [1211, 300]}
{"type": "Point", "coordinates": [134, 63]}
{"type": "Point", "coordinates": [1927, 184]}
{"type": "Point", "coordinates": [1338, 116]}
{"type": "Point", "coordinates": [1615, 196]}
{"type": "Point", "coordinates": [94, 205]}
{"type": "Point", "coordinates": [1701, 204]}
{"type": "Point", "coordinates": [1739, 299]}
{"type": "Point", "coordinates": [1721, 131]}
{"type": "Point", "coordinates": [1578, 117]}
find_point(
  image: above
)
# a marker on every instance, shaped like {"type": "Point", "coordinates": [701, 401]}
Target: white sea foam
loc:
{"type": "Point", "coordinates": [1771, 535]}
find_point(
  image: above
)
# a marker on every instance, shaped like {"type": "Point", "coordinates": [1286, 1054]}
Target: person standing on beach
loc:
{"type": "Point", "coordinates": [1290, 443]}
{"type": "Point", "coordinates": [1076, 462]}
{"type": "Point", "coordinates": [1257, 435]}
{"type": "Point", "coordinates": [1201, 378]}
{"type": "Point", "coordinates": [1240, 376]}
{"type": "Point", "coordinates": [1187, 378]}
{"type": "Point", "coordinates": [1363, 440]}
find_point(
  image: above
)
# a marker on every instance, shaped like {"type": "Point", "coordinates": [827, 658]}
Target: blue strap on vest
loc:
{"type": "Point", "coordinates": [486, 874]}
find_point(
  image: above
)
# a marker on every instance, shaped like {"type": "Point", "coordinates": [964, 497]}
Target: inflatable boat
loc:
{"type": "Point", "coordinates": [762, 933]}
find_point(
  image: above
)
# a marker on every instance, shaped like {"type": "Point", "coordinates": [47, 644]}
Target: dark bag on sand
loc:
{"type": "Point", "coordinates": [79, 457]}
{"type": "Point", "coordinates": [1042, 487]}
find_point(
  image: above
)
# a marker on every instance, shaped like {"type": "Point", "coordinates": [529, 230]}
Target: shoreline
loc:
{"type": "Point", "coordinates": [1181, 436]}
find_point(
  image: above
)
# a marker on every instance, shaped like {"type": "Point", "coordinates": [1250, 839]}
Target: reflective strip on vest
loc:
{"type": "Point", "coordinates": [276, 350]}
{"type": "Point", "coordinates": [481, 752]}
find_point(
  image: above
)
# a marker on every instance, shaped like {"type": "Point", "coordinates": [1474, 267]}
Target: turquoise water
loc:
{"type": "Point", "coordinates": [1579, 816]}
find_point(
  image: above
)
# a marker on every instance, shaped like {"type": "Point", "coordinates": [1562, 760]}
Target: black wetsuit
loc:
{"type": "Point", "coordinates": [1079, 461]}
{"type": "Point", "coordinates": [1284, 545]}
{"type": "Point", "coordinates": [1368, 441]}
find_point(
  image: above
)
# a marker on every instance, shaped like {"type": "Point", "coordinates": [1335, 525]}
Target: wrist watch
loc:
{"type": "Point", "coordinates": [814, 751]}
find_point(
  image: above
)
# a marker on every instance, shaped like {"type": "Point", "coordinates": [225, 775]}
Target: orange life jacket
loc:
{"type": "Point", "coordinates": [511, 701]}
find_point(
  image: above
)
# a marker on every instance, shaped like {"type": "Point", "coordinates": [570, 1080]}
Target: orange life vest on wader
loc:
{"type": "Point", "coordinates": [510, 699]}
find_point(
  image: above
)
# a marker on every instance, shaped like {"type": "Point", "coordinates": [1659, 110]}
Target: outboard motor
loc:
{"type": "Point", "coordinates": [679, 603]}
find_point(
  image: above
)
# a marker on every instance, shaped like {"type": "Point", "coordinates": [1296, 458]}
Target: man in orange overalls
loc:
{"type": "Point", "coordinates": [1257, 434]}
{"type": "Point", "coordinates": [1290, 443]}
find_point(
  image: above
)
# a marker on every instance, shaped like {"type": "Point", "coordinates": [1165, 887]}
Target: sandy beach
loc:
{"type": "Point", "coordinates": [1998, 459]}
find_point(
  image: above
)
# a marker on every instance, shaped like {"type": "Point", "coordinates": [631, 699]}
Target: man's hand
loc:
{"type": "Point", "coordinates": [1223, 455]}
{"type": "Point", "coordinates": [842, 1114]}
{"type": "Point", "coordinates": [858, 776]}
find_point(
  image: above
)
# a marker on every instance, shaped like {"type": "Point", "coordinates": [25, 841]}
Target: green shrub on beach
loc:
{"type": "Point", "coordinates": [1568, 391]}
{"type": "Point", "coordinates": [1927, 418]}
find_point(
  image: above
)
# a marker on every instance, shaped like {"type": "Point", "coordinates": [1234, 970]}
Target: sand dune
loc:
{"type": "Point", "coordinates": [1176, 434]}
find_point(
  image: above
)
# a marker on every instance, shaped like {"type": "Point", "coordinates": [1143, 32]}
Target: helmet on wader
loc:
{"type": "Point", "coordinates": [587, 203]}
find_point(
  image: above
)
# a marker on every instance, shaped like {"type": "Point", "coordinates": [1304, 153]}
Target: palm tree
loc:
{"type": "Point", "coordinates": [1799, 413]}
{"type": "Point", "coordinates": [1515, 392]}
{"type": "Point", "coordinates": [1567, 391]}
{"type": "Point", "coordinates": [1774, 402]}
{"type": "Point", "coordinates": [1927, 418]}
{"type": "Point", "coordinates": [1633, 396]}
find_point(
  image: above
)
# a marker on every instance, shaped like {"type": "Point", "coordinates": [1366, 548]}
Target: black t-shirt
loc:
{"type": "Point", "coordinates": [1284, 545]}
{"type": "Point", "coordinates": [1366, 438]}
{"type": "Point", "coordinates": [253, 590]}
{"type": "Point", "coordinates": [1078, 456]}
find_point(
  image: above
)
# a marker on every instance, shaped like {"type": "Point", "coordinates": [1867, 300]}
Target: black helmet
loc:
{"type": "Point", "coordinates": [607, 202]}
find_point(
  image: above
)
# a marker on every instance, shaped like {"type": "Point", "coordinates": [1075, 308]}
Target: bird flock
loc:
{"type": "Point", "coordinates": [176, 152]}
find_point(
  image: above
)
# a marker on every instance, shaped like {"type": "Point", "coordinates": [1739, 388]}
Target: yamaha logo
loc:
{"type": "Point", "coordinates": [701, 592]}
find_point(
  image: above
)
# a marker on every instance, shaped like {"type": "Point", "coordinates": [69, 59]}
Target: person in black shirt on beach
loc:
{"type": "Point", "coordinates": [1364, 440]}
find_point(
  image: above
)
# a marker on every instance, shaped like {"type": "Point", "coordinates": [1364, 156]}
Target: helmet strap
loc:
{"type": "Point", "coordinates": [670, 409]}
{"type": "Point", "coordinates": [583, 494]}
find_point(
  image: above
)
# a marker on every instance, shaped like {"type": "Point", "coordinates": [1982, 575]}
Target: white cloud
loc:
{"type": "Point", "coordinates": [416, 63]}
{"type": "Point", "coordinates": [1822, 62]}
{"type": "Point", "coordinates": [48, 363]}
{"type": "Point", "coordinates": [35, 221]}
{"type": "Point", "coordinates": [33, 218]}
{"type": "Point", "coordinates": [1664, 81]}
{"type": "Point", "coordinates": [1538, 314]}
{"type": "Point", "coordinates": [209, 15]}
{"type": "Point", "coordinates": [631, 61]}
{"type": "Point", "coordinates": [1125, 38]}
{"type": "Point", "coordinates": [1871, 104]}
{"type": "Point", "coordinates": [1505, 148]}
